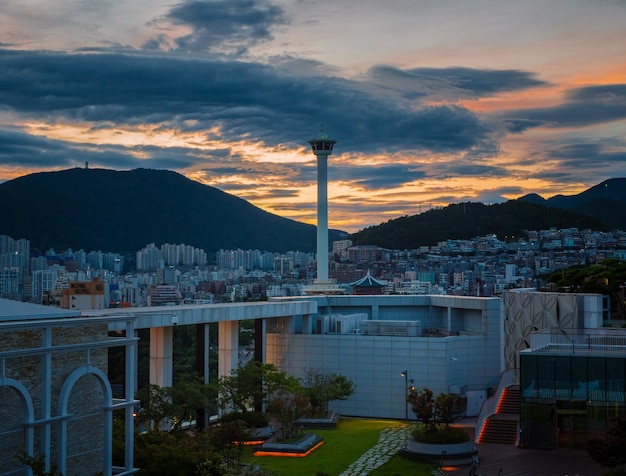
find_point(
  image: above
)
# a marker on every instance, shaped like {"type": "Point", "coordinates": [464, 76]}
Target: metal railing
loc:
{"type": "Point", "coordinates": [601, 340]}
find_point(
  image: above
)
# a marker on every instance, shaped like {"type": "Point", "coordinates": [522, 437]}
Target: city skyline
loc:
{"type": "Point", "coordinates": [430, 103]}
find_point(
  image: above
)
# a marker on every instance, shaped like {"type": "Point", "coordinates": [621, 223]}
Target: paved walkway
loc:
{"type": "Point", "coordinates": [509, 460]}
{"type": "Point", "coordinates": [390, 441]}
{"type": "Point", "coordinates": [495, 459]}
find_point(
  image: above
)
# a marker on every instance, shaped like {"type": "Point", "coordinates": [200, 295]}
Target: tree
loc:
{"type": "Point", "coordinates": [612, 450]}
{"type": "Point", "coordinates": [287, 410]}
{"type": "Point", "coordinates": [174, 404]}
{"type": "Point", "coordinates": [322, 387]}
{"type": "Point", "coordinates": [164, 454]}
{"type": "Point", "coordinates": [228, 438]}
{"type": "Point", "coordinates": [215, 466]}
{"type": "Point", "coordinates": [444, 408]}
{"type": "Point", "coordinates": [422, 404]}
{"type": "Point", "coordinates": [187, 398]}
{"type": "Point", "coordinates": [156, 405]}
{"type": "Point", "coordinates": [252, 385]}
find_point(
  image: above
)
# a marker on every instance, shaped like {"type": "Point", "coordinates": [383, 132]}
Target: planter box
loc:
{"type": "Point", "coordinates": [330, 422]}
{"type": "Point", "coordinates": [452, 454]}
{"type": "Point", "coordinates": [303, 447]}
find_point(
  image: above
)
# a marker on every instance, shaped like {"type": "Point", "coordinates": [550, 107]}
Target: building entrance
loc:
{"type": "Point", "coordinates": [571, 426]}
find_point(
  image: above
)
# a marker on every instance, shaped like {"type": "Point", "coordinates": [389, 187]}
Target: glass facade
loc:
{"type": "Point", "coordinates": [567, 400]}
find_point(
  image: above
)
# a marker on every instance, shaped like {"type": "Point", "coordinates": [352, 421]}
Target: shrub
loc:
{"type": "Point", "coordinates": [252, 419]}
{"type": "Point", "coordinates": [443, 435]}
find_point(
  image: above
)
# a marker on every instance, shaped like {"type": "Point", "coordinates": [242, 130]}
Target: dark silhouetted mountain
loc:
{"type": "Point", "coordinates": [534, 198]}
{"type": "Point", "coordinates": [605, 202]}
{"type": "Point", "coordinates": [468, 220]}
{"type": "Point", "coordinates": [98, 209]}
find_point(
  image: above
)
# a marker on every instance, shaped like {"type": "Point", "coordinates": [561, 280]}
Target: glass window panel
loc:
{"type": "Point", "coordinates": [579, 378]}
{"type": "Point", "coordinates": [563, 378]}
{"type": "Point", "coordinates": [545, 370]}
{"type": "Point", "coordinates": [596, 374]}
{"type": "Point", "coordinates": [596, 367]}
{"type": "Point", "coordinates": [528, 375]}
{"type": "Point", "coordinates": [615, 375]}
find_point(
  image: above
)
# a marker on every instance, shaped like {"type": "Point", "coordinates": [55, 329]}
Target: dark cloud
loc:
{"type": "Point", "coordinates": [589, 153]}
{"type": "Point", "coordinates": [453, 82]}
{"type": "Point", "coordinates": [18, 149]}
{"type": "Point", "coordinates": [282, 193]}
{"type": "Point", "coordinates": [520, 125]}
{"type": "Point", "coordinates": [375, 177]}
{"type": "Point", "coordinates": [478, 170]}
{"type": "Point", "coordinates": [222, 25]}
{"type": "Point", "coordinates": [582, 107]}
{"type": "Point", "coordinates": [246, 101]}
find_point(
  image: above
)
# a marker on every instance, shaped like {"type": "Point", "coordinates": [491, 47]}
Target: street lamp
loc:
{"type": "Point", "coordinates": [405, 374]}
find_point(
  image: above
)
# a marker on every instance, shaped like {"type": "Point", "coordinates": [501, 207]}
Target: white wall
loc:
{"type": "Point", "coordinates": [469, 360]}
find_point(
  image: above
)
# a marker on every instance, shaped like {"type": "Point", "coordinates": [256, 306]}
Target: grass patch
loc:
{"type": "Point", "coordinates": [400, 465]}
{"type": "Point", "coordinates": [342, 447]}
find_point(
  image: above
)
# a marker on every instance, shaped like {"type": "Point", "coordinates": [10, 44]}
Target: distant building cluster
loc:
{"type": "Point", "coordinates": [175, 274]}
{"type": "Point", "coordinates": [249, 260]}
{"type": "Point", "coordinates": [152, 257]}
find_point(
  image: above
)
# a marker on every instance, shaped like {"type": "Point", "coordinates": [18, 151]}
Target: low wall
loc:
{"type": "Point", "coordinates": [329, 422]}
{"type": "Point", "coordinates": [303, 447]}
{"type": "Point", "coordinates": [457, 453]}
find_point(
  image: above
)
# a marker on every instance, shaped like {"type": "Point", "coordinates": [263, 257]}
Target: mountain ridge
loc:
{"type": "Point", "coordinates": [123, 211]}
{"type": "Point", "coordinates": [602, 208]}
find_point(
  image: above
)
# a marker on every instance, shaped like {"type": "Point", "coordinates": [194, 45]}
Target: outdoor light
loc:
{"type": "Point", "coordinates": [405, 374]}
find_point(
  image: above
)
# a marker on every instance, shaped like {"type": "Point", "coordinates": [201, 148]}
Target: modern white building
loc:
{"type": "Point", "coordinates": [445, 343]}
{"type": "Point", "coordinates": [449, 344]}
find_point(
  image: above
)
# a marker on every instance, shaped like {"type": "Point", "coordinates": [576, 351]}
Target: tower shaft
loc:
{"type": "Point", "coordinates": [322, 218]}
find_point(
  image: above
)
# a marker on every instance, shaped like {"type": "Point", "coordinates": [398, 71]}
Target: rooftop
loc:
{"type": "Point", "coordinates": [604, 340]}
{"type": "Point", "coordinates": [20, 311]}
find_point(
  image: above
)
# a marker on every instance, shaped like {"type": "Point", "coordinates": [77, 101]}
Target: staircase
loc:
{"type": "Point", "coordinates": [501, 427]}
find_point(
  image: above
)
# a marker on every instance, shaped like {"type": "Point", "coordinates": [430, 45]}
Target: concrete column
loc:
{"type": "Point", "coordinates": [375, 311]}
{"type": "Point", "coordinates": [161, 356]}
{"type": "Point", "coordinates": [449, 318]}
{"type": "Point", "coordinates": [307, 324]}
{"type": "Point", "coordinates": [202, 352]}
{"type": "Point", "coordinates": [260, 328]}
{"type": "Point", "coordinates": [202, 369]}
{"type": "Point", "coordinates": [228, 347]}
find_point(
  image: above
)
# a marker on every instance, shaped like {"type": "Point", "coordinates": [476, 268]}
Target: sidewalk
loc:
{"type": "Point", "coordinates": [509, 460]}
{"type": "Point", "coordinates": [389, 443]}
{"type": "Point", "coordinates": [495, 459]}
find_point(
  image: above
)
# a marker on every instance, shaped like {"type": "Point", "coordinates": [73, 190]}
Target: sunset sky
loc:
{"type": "Point", "coordinates": [430, 101]}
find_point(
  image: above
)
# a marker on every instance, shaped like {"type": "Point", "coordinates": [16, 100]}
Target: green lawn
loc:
{"type": "Point", "coordinates": [341, 447]}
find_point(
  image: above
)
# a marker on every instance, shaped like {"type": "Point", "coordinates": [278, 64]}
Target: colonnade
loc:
{"type": "Point", "coordinates": [162, 352]}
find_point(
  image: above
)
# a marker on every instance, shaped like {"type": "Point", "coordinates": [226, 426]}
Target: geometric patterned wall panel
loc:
{"type": "Point", "coordinates": [528, 312]}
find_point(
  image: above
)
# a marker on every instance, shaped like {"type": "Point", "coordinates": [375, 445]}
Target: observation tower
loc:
{"type": "Point", "coordinates": [322, 147]}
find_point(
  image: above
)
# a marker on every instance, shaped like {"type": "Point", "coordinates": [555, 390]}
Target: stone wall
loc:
{"type": "Point", "coordinates": [85, 426]}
